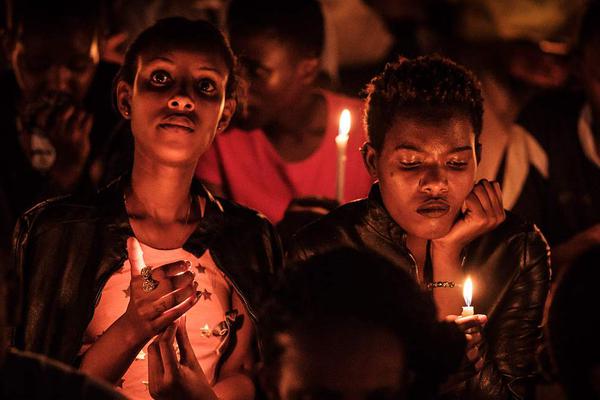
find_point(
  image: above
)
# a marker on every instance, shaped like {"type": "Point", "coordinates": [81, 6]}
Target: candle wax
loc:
{"type": "Point", "coordinates": [467, 311]}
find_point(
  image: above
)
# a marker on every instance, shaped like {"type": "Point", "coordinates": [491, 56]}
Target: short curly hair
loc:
{"type": "Point", "coordinates": [428, 87]}
{"type": "Point", "coordinates": [358, 286]}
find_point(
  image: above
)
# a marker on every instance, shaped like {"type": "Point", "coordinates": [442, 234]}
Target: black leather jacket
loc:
{"type": "Point", "coordinates": [65, 250]}
{"type": "Point", "coordinates": [510, 266]}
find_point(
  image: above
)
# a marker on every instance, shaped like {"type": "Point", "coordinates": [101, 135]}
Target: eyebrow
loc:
{"type": "Point", "coordinates": [168, 60]}
{"type": "Point", "coordinates": [411, 147]}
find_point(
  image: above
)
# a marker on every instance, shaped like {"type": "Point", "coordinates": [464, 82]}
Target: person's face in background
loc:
{"type": "Point", "coordinates": [425, 169]}
{"type": "Point", "coordinates": [589, 70]}
{"type": "Point", "coordinates": [277, 78]}
{"type": "Point", "coordinates": [344, 362]}
{"type": "Point", "coordinates": [56, 59]}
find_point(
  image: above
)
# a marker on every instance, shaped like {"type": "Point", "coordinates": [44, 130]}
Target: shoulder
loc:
{"type": "Point", "coordinates": [340, 101]}
{"type": "Point", "coordinates": [68, 211]}
{"type": "Point", "coordinates": [57, 212]}
{"type": "Point", "coordinates": [520, 240]}
{"type": "Point", "coordinates": [236, 135]}
{"type": "Point", "coordinates": [334, 230]}
{"type": "Point", "coordinates": [241, 220]}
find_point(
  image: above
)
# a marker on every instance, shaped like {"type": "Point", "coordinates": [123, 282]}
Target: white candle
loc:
{"type": "Point", "coordinates": [468, 296]}
{"type": "Point", "coordinates": [341, 141]}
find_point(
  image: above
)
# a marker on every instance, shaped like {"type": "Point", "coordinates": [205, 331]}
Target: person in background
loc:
{"type": "Point", "coordinates": [429, 217]}
{"type": "Point", "coordinates": [283, 147]}
{"type": "Point", "coordinates": [26, 375]}
{"type": "Point", "coordinates": [576, 352]}
{"type": "Point", "coordinates": [565, 122]}
{"type": "Point", "coordinates": [348, 324]}
{"type": "Point", "coordinates": [57, 112]}
{"type": "Point", "coordinates": [100, 276]}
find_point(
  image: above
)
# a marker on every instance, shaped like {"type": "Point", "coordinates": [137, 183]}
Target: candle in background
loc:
{"type": "Point", "coordinates": [341, 141]}
{"type": "Point", "coordinates": [468, 296]}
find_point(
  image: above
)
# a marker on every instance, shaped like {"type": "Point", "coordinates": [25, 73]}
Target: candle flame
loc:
{"type": "Point", "coordinates": [468, 291]}
{"type": "Point", "coordinates": [344, 127]}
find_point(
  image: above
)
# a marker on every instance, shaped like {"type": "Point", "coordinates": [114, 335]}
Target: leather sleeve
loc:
{"type": "Point", "coordinates": [512, 340]}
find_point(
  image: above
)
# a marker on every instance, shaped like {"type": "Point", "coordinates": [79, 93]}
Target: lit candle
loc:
{"type": "Point", "coordinates": [468, 296]}
{"type": "Point", "coordinates": [341, 141]}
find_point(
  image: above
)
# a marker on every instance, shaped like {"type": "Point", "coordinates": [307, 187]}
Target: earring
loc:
{"type": "Point", "coordinates": [126, 112]}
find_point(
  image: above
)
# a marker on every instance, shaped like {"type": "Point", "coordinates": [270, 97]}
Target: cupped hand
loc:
{"type": "Point", "coordinates": [151, 312]}
{"type": "Point", "coordinates": [482, 212]}
{"type": "Point", "coordinates": [472, 327]}
{"type": "Point", "coordinates": [173, 378]}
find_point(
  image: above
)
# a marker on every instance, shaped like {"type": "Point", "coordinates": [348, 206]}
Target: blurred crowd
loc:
{"type": "Point", "coordinates": [70, 124]}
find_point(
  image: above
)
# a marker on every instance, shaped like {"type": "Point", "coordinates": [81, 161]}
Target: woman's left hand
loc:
{"type": "Point", "coordinates": [482, 212]}
{"type": "Point", "coordinates": [172, 378]}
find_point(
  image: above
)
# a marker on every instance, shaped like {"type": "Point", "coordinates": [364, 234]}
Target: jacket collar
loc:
{"type": "Point", "coordinates": [381, 221]}
{"type": "Point", "coordinates": [112, 205]}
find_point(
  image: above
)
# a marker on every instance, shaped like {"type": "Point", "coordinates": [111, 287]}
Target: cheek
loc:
{"type": "Point", "coordinates": [461, 184]}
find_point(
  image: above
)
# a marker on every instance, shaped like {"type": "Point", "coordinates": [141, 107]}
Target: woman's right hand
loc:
{"type": "Point", "coordinates": [151, 312]}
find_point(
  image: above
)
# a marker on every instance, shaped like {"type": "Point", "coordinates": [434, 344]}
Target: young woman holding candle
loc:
{"type": "Point", "coordinates": [428, 216]}
{"type": "Point", "coordinates": [102, 276]}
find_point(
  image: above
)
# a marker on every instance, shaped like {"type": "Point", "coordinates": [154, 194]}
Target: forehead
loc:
{"type": "Point", "coordinates": [184, 58]}
{"type": "Point", "coordinates": [264, 47]}
{"type": "Point", "coordinates": [57, 42]}
{"type": "Point", "coordinates": [430, 133]}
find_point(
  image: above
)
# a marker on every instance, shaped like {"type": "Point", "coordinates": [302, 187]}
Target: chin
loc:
{"type": "Point", "coordinates": [432, 229]}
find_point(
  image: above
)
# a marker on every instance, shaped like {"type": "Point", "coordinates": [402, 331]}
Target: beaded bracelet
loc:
{"type": "Point", "coordinates": [440, 284]}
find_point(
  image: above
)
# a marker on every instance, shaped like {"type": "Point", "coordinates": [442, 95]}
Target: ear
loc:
{"type": "Point", "coordinates": [124, 93]}
{"type": "Point", "coordinates": [370, 159]}
{"type": "Point", "coordinates": [228, 111]}
{"type": "Point", "coordinates": [308, 70]}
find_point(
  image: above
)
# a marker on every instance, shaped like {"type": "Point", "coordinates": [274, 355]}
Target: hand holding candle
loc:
{"type": "Point", "coordinates": [341, 141]}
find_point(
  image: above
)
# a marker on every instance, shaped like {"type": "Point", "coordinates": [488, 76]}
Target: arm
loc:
{"type": "Point", "coordinates": [148, 313]}
{"type": "Point", "coordinates": [511, 340]}
{"type": "Point", "coordinates": [235, 380]}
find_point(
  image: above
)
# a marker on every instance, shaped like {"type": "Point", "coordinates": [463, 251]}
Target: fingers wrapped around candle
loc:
{"type": "Point", "coordinates": [150, 312]}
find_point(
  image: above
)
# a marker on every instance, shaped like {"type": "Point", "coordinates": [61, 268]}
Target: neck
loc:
{"type": "Point", "coordinates": [418, 248]}
{"type": "Point", "coordinates": [158, 191]}
{"type": "Point", "coordinates": [306, 117]}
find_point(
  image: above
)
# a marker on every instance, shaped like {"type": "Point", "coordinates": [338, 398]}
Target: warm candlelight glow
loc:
{"type": "Point", "coordinates": [468, 291]}
{"type": "Point", "coordinates": [341, 142]}
{"type": "Point", "coordinates": [344, 126]}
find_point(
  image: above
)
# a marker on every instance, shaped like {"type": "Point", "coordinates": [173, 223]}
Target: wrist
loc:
{"type": "Point", "coordinates": [130, 332]}
{"type": "Point", "coordinates": [450, 252]}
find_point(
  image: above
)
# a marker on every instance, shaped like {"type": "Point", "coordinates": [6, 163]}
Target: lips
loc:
{"type": "Point", "coordinates": [434, 209]}
{"type": "Point", "coordinates": [178, 122]}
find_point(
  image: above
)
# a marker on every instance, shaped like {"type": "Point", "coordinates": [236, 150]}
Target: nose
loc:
{"type": "Point", "coordinates": [181, 102]}
{"type": "Point", "coordinates": [434, 182]}
{"type": "Point", "coordinates": [59, 78]}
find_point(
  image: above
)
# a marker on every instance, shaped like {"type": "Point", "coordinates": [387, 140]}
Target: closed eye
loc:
{"type": "Point", "coordinates": [410, 164]}
{"type": "Point", "coordinates": [457, 164]}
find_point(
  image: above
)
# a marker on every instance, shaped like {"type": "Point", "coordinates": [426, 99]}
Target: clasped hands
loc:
{"type": "Point", "coordinates": [161, 312]}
